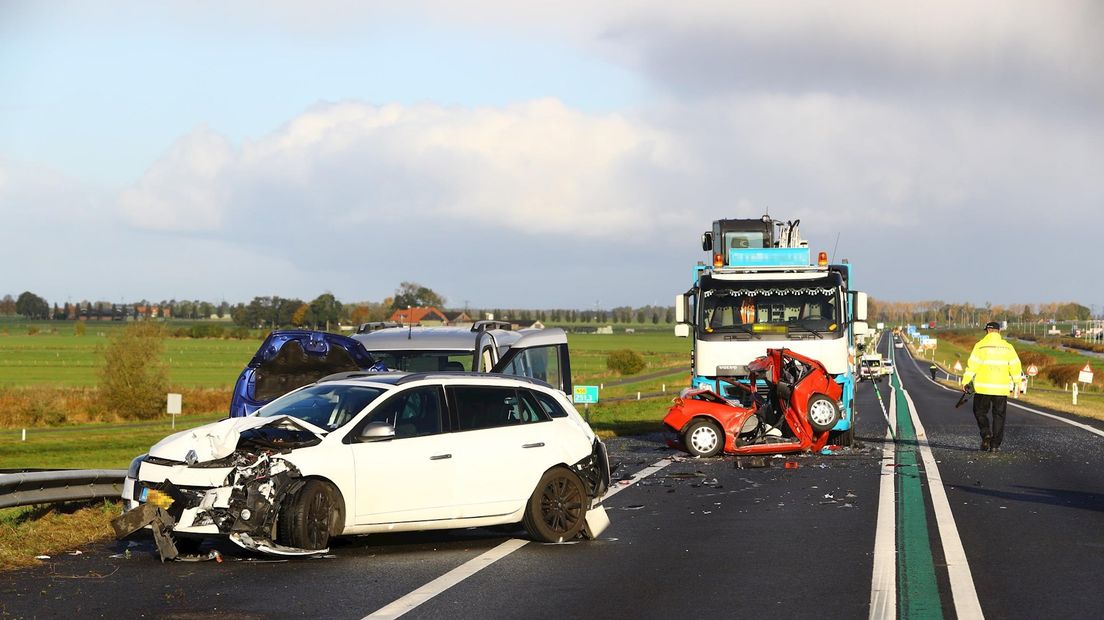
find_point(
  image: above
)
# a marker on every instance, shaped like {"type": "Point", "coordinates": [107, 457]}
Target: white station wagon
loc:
{"type": "Point", "coordinates": [359, 452]}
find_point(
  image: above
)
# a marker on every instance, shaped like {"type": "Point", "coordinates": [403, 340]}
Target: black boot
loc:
{"type": "Point", "coordinates": [984, 444]}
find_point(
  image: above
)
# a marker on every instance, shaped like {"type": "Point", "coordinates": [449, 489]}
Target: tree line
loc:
{"type": "Point", "coordinates": [322, 312]}
{"type": "Point", "coordinates": [898, 312]}
{"type": "Point", "coordinates": [326, 311]}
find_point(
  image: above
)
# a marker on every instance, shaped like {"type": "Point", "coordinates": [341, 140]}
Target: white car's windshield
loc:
{"type": "Point", "coordinates": [326, 405]}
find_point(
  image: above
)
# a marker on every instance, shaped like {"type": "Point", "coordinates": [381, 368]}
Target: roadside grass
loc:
{"type": "Point", "coordinates": [629, 417]}
{"type": "Point", "coordinates": [89, 446]}
{"type": "Point", "coordinates": [673, 382]}
{"type": "Point", "coordinates": [30, 531]}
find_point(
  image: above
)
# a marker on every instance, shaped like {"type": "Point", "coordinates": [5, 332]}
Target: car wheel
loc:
{"type": "Point", "coordinates": [309, 517]}
{"type": "Point", "coordinates": [557, 509]}
{"type": "Point", "coordinates": [704, 438]}
{"type": "Point", "coordinates": [824, 413]}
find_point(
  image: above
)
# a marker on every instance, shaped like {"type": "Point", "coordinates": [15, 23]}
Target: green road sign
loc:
{"type": "Point", "coordinates": [586, 394]}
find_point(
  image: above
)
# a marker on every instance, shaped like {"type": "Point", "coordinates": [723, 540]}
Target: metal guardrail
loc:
{"type": "Point", "coordinates": [47, 487]}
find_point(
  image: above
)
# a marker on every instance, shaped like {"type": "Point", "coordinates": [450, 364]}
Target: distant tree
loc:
{"type": "Point", "coordinates": [325, 310]}
{"type": "Point", "coordinates": [134, 378]}
{"type": "Point", "coordinates": [31, 306]}
{"type": "Point", "coordinates": [7, 306]}
{"type": "Point", "coordinates": [299, 317]}
{"type": "Point", "coordinates": [415, 295]}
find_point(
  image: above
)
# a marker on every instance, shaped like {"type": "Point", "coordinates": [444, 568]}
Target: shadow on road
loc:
{"type": "Point", "coordinates": [1039, 495]}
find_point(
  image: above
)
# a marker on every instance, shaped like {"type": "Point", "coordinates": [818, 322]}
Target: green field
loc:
{"type": "Point", "coordinates": [63, 359]}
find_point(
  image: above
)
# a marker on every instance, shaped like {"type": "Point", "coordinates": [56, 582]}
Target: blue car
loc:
{"type": "Point", "coordinates": [290, 359]}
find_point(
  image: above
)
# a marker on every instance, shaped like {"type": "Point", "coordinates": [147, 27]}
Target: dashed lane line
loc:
{"type": "Point", "coordinates": [467, 569]}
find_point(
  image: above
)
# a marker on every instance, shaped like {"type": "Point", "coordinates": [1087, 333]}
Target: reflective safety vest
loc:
{"type": "Point", "coordinates": [992, 367]}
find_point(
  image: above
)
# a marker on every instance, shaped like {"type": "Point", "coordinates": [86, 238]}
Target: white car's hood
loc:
{"type": "Point", "coordinates": [220, 439]}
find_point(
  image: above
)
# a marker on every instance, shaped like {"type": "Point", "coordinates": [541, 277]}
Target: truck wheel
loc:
{"type": "Point", "coordinates": [557, 509]}
{"type": "Point", "coordinates": [703, 438]}
{"type": "Point", "coordinates": [824, 413]}
{"type": "Point", "coordinates": [308, 518]}
{"type": "Point", "coordinates": [844, 439]}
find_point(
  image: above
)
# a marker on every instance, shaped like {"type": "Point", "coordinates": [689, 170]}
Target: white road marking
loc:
{"type": "Point", "coordinates": [473, 566]}
{"type": "Point", "coordinates": [883, 586]}
{"type": "Point", "coordinates": [958, 567]}
{"type": "Point", "coordinates": [1059, 418]}
{"type": "Point", "coordinates": [449, 579]}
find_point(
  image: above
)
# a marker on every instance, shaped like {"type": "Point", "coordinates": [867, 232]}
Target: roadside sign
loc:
{"type": "Point", "coordinates": [586, 394]}
{"type": "Point", "coordinates": [1086, 374]}
{"type": "Point", "coordinates": [881, 326]}
{"type": "Point", "coordinates": [958, 366]}
{"type": "Point", "coordinates": [172, 406]}
{"type": "Point", "coordinates": [1032, 370]}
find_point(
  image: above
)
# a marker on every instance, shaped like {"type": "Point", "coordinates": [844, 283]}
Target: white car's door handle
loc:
{"type": "Point", "coordinates": [539, 444]}
{"type": "Point", "coordinates": [439, 457]}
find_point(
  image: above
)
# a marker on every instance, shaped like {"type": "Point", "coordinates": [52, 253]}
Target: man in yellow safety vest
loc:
{"type": "Point", "coordinates": [992, 367]}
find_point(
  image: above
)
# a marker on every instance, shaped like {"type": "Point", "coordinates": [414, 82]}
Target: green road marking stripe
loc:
{"type": "Point", "coordinates": [917, 591]}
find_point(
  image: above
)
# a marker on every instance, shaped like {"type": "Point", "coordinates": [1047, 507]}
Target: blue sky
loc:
{"type": "Point", "coordinates": [517, 154]}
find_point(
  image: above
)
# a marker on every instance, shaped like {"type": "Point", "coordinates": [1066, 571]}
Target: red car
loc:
{"type": "Point", "coordinates": [801, 406]}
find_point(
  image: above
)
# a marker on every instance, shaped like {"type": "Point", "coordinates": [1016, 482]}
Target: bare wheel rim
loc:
{"type": "Point", "coordinates": [561, 504]}
{"type": "Point", "coordinates": [704, 438]}
{"type": "Point", "coordinates": [822, 412]}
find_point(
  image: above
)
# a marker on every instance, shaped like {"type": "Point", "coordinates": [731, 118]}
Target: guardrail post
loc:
{"type": "Point", "coordinates": [1075, 393]}
{"type": "Point", "coordinates": [638, 396]}
{"type": "Point", "coordinates": [24, 435]}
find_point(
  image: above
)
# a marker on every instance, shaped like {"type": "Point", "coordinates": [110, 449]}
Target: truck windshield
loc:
{"type": "Point", "coordinates": [785, 308]}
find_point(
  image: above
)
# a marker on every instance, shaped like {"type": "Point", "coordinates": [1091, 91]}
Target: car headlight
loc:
{"type": "Point", "coordinates": [132, 471]}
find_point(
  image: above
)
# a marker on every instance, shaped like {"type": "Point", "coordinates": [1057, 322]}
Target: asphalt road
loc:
{"type": "Point", "coordinates": [697, 537]}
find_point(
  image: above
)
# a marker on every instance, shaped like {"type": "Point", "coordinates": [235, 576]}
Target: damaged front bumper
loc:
{"type": "Point", "coordinates": [594, 470]}
{"type": "Point", "coordinates": [239, 496]}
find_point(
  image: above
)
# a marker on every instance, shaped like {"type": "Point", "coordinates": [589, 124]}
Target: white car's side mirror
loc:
{"type": "Point", "coordinates": [376, 431]}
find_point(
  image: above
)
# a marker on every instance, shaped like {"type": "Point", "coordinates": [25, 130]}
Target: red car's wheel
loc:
{"type": "Point", "coordinates": [703, 438]}
{"type": "Point", "coordinates": [824, 413]}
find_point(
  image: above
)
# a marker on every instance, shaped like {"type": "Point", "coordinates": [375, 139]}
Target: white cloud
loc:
{"type": "Point", "coordinates": [537, 166]}
{"type": "Point", "coordinates": [183, 191]}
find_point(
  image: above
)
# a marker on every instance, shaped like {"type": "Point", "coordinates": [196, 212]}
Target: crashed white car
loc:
{"type": "Point", "coordinates": [357, 453]}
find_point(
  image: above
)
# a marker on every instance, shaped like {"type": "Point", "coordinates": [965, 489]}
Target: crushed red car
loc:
{"type": "Point", "coordinates": [800, 407]}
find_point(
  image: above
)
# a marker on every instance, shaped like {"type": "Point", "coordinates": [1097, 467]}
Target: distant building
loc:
{"type": "Point", "coordinates": [526, 325]}
{"type": "Point", "coordinates": [459, 319]}
{"type": "Point", "coordinates": [605, 329]}
{"type": "Point", "coordinates": [429, 317]}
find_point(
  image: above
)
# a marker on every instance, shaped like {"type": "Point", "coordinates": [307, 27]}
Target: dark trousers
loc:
{"type": "Point", "coordinates": [982, 404]}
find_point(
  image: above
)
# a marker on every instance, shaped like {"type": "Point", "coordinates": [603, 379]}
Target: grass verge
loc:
{"type": "Point", "coordinates": [32, 531]}
{"type": "Point", "coordinates": [88, 446]}
{"type": "Point", "coordinates": [631, 417]}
